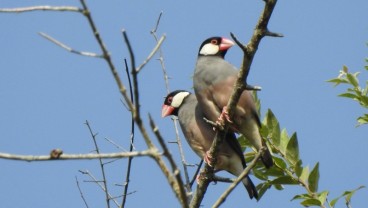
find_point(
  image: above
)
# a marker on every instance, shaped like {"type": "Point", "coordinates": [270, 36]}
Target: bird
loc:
{"type": "Point", "coordinates": [213, 83]}
{"type": "Point", "coordinates": [199, 135]}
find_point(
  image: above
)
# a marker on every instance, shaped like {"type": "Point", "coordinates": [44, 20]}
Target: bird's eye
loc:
{"type": "Point", "coordinates": [214, 41]}
{"type": "Point", "coordinates": [169, 100]}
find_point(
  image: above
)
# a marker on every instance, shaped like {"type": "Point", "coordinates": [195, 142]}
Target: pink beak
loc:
{"type": "Point", "coordinates": [166, 110]}
{"type": "Point", "coordinates": [226, 44]}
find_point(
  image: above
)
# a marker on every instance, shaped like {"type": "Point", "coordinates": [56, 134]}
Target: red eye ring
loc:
{"type": "Point", "coordinates": [214, 41]}
{"type": "Point", "coordinates": [169, 100]}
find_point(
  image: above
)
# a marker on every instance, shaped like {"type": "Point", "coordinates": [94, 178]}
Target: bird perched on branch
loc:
{"type": "Point", "coordinates": [214, 80]}
{"type": "Point", "coordinates": [199, 135]}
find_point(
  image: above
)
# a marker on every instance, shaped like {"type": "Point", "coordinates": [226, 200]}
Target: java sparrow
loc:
{"type": "Point", "coordinates": [213, 81]}
{"type": "Point", "coordinates": [200, 135]}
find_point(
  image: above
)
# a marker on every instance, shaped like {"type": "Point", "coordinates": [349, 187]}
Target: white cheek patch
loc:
{"type": "Point", "coordinates": [209, 49]}
{"type": "Point", "coordinates": [178, 99]}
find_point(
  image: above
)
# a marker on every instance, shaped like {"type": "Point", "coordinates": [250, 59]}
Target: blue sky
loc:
{"type": "Point", "coordinates": [47, 94]}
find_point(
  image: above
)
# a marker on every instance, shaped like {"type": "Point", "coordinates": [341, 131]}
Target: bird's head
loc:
{"type": "Point", "coordinates": [215, 46]}
{"type": "Point", "coordinates": [172, 102]}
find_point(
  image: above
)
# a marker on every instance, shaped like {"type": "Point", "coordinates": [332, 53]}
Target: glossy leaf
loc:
{"type": "Point", "coordinates": [347, 194]}
{"type": "Point", "coordinates": [314, 178]}
{"type": "Point", "coordinates": [298, 168]}
{"type": "Point", "coordinates": [273, 127]}
{"type": "Point", "coordinates": [292, 150]}
{"type": "Point", "coordinates": [284, 180]}
{"type": "Point", "coordinates": [305, 174]}
{"type": "Point", "coordinates": [280, 163]}
{"type": "Point", "coordinates": [301, 196]}
{"type": "Point", "coordinates": [259, 174]}
{"type": "Point", "coordinates": [352, 78]}
{"type": "Point", "coordinates": [284, 140]}
{"type": "Point", "coordinates": [311, 202]}
{"type": "Point", "coordinates": [349, 95]}
{"type": "Point", "coordinates": [323, 196]}
{"type": "Point", "coordinates": [262, 188]}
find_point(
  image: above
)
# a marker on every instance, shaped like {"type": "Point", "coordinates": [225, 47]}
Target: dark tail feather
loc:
{"type": "Point", "coordinates": [248, 184]}
{"type": "Point", "coordinates": [267, 158]}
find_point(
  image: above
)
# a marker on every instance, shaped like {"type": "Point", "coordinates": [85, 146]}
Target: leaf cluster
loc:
{"type": "Point", "coordinates": [288, 167]}
{"type": "Point", "coordinates": [354, 91]}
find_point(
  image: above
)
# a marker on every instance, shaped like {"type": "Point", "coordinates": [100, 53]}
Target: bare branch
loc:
{"type": "Point", "coordinates": [106, 56]}
{"type": "Point", "coordinates": [175, 169]}
{"type": "Point", "coordinates": [245, 172]}
{"type": "Point", "coordinates": [101, 164]}
{"type": "Point", "coordinates": [153, 52]}
{"type": "Point", "coordinates": [53, 40]}
{"type": "Point", "coordinates": [42, 8]}
{"type": "Point", "coordinates": [116, 145]}
{"type": "Point", "coordinates": [101, 186]}
{"type": "Point", "coordinates": [90, 156]}
{"type": "Point", "coordinates": [196, 173]}
{"type": "Point", "coordinates": [178, 140]}
{"type": "Point", "coordinates": [81, 193]}
{"type": "Point", "coordinates": [131, 146]}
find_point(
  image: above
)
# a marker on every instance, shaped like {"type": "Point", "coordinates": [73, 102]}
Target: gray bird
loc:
{"type": "Point", "coordinates": [199, 135]}
{"type": "Point", "coordinates": [214, 80]}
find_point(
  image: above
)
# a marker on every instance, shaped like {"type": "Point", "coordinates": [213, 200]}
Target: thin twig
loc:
{"type": "Point", "coordinates": [178, 140]}
{"type": "Point", "coordinates": [103, 188]}
{"type": "Point", "coordinates": [175, 182]}
{"type": "Point", "coordinates": [153, 52]}
{"type": "Point", "coordinates": [131, 146]}
{"type": "Point", "coordinates": [101, 165]}
{"type": "Point", "coordinates": [106, 55]}
{"type": "Point", "coordinates": [62, 45]}
{"type": "Point", "coordinates": [168, 155]}
{"type": "Point", "coordinates": [245, 172]}
{"type": "Point", "coordinates": [116, 145]}
{"type": "Point", "coordinates": [42, 8]}
{"type": "Point", "coordinates": [161, 58]}
{"type": "Point", "coordinates": [183, 161]}
{"type": "Point", "coordinates": [196, 173]}
{"type": "Point", "coordinates": [81, 193]}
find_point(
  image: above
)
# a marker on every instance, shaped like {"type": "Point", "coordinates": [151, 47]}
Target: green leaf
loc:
{"type": "Point", "coordinates": [283, 180]}
{"type": "Point", "coordinates": [280, 163]}
{"type": "Point", "coordinates": [273, 127]}
{"type": "Point", "coordinates": [301, 196]}
{"type": "Point", "coordinates": [275, 172]}
{"type": "Point", "coordinates": [348, 195]}
{"type": "Point", "coordinates": [284, 140]}
{"type": "Point", "coordinates": [323, 196]}
{"type": "Point", "coordinates": [352, 78]}
{"type": "Point", "coordinates": [345, 69]}
{"type": "Point", "coordinates": [334, 201]}
{"type": "Point", "coordinates": [363, 119]}
{"type": "Point", "coordinates": [262, 188]}
{"type": "Point", "coordinates": [305, 174]}
{"type": "Point", "coordinates": [278, 187]}
{"type": "Point", "coordinates": [349, 95]}
{"type": "Point", "coordinates": [298, 168]}
{"type": "Point", "coordinates": [314, 178]}
{"type": "Point", "coordinates": [259, 174]}
{"type": "Point", "coordinates": [311, 202]}
{"type": "Point", "coordinates": [338, 81]}
{"type": "Point", "coordinates": [292, 150]}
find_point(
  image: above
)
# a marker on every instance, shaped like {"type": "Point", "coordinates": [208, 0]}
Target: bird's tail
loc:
{"type": "Point", "coordinates": [248, 184]}
{"type": "Point", "coordinates": [267, 158]}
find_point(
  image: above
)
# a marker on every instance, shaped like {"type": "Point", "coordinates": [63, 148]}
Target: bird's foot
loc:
{"type": "Point", "coordinates": [207, 158]}
{"type": "Point", "coordinates": [224, 116]}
